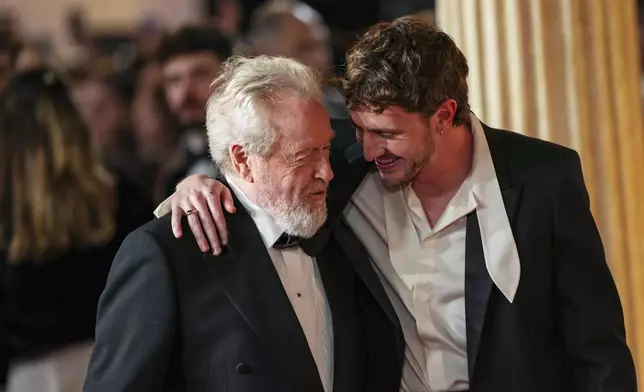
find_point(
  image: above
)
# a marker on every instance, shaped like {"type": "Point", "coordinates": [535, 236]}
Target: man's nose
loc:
{"type": "Point", "coordinates": [325, 172]}
{"type": "Point", "coordinates": [372, 146]}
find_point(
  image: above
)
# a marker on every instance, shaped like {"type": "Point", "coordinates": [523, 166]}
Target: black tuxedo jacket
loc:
{"type": "Point", "coordinates": [565, 329]}
{"type": "Point", "coordinates": [174, 319]}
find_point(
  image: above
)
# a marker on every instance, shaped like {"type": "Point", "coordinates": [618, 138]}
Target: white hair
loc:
{"type": "Point", "coordinates": [245, 94]}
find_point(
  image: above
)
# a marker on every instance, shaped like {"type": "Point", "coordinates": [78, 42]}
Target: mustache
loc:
{"type": "Point", "coordinates": [319, 186]}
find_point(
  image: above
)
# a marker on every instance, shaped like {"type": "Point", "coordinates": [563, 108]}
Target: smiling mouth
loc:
{"type": "Point", "coordinates": [386, 163]}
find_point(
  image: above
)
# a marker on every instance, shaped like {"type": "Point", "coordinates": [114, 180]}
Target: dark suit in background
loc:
{"type": "Point", "coordinates": [174, 319]}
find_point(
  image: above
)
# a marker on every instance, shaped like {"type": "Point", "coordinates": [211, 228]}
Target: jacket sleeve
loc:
{"type": "Point", "coordinates": [590, 319]}
{"type": "Point", "coordinates": [136, 321]}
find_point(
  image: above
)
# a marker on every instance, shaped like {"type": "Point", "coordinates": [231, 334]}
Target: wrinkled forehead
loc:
{"type": "Point", "coordinates": [302, 124]}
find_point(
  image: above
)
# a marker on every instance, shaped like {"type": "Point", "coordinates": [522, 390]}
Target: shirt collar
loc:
{"type": "Point", "coordinates": [462, 203]}
{"type": "Point", "coordinates": [499, 247]}
{"type": "Point", "coordinates": [265, 223]}
{"type": "Point", "coordinates": [481, 192]}
{"type": "Point", "coordinates": [483, 174]}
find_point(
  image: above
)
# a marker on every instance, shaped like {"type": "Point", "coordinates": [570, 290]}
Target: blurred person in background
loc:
{"type": "Point", "coordinates": [7, 60]}
{"type": "Point", "coordinates": [62, 219]}
{"type": "Point", "coordinates": [9, 49]}
{"type": "Point", "coordinates": [294, 29]}
{"type": "Point", "coordinates": [156, 138]}
{"type": "Point", "coordinates": [104, 101]}
{"type": "Point", "coordinates": [147, 38]}
{"type": "Point", "coordinates": [28, 59]}
{"type": "Point", "coordinates": [190, 61]}
{"type": "Point", "coordinates": [82, 45]}
{"type": "Point", "coordinates": [226, 15]}
{"type": "Point", "coordinates": [345, 19]}
{"type": "Point", "coordinates": [137, 54]}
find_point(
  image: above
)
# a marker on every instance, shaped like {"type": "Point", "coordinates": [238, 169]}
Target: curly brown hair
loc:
{"type": "Point", "coordinates": [408, 63]}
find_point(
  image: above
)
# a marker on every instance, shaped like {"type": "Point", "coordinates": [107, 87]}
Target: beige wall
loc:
{"type": "Point", "coordinates": [47, 17]}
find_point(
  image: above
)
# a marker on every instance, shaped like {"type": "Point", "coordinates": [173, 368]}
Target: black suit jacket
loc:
{"type": "Point", "coordinates": [174, 319]}
{"type": "Point", "coordinates": [564, 330]}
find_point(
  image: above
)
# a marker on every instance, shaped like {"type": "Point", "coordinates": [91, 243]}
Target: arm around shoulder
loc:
{"type": "Point", "coordinates": [136, 320]}
{"type": "Point", "coordinates": [591, 320]}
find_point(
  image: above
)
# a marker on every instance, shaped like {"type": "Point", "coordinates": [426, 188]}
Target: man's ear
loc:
{"type": "Point", "coordinates": [446, 112]}
{"type": "Point", "coordinates": [241, 162]}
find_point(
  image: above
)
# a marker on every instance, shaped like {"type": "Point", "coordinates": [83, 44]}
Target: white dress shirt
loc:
{"type": "Point", "coordinates": [423, 268]}
{"type": "Point", "coordinates": [300, 277]}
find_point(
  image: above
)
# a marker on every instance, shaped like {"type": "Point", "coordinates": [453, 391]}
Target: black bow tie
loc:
{"type": "Point", "coordinates": [287, 241]}
{"type": "Point", "coordinates": [312, 246]}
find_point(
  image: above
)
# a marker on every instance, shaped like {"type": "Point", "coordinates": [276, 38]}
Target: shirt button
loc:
{"type": "Point", "coordinates": [243, 369]}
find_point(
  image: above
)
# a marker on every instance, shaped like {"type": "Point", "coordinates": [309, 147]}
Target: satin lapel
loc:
{"type": "Point", "coordinates": [478, 284]}
{"type": "Point", "coordinates": [250, 281]}
{"type": "Point", "coordinates": [339, 288]}
{"type": "Point", "coordinates": [511, 197]}
{"type": "Point", "coordinates": [358, 257]}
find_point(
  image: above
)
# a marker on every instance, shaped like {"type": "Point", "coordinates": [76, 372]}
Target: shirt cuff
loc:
{"type": "Point", "coordinates": [163, 208]}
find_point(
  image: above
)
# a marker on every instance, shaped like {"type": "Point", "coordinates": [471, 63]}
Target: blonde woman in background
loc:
{"type": "Point", "coordinates": [62, 218]}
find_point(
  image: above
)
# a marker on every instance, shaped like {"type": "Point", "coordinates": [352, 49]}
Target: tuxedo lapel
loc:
{"type": "Point", "coordinates": [339, 288]}
{"type": "Point", "coordinates": [511, 191]}
{"type": "Point", "coordinates": [247, 276]}
{"type": "Point", "coordinates": [358, 257]}
{"type": "Point", "coordinates": [478, 284]}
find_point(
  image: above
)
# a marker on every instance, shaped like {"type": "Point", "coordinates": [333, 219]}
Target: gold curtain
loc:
{"type": "Point", "coordinates": [567, 71]}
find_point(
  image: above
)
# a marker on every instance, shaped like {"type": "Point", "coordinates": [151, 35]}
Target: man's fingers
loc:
{"type": "Point", "coordinates": [218, 217]}
{"type": "Point", "coordinates": [227, 200]}
{"type": "Point", "coordinates": [203, 200]}
{"type": "Point", "coordinates": [195, 224]}
{"type": "Point", "coordinates": [206, 221]}
{"type": "Point", "coordinates": [177, 215]}
{"type": "Point", "coordinates": [197, 231]}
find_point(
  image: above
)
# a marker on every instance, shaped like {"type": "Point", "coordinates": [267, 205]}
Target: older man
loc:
{"type": "Point", "coordinates": [483, 238]}
{"type": "Point", "coordinates": [283, 309]}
